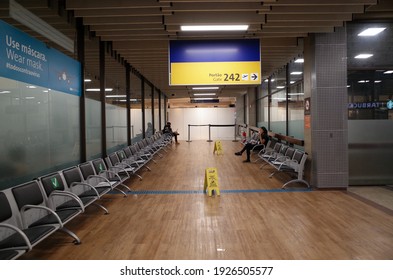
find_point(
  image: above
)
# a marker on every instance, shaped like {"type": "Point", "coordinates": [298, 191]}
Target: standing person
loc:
{"type": "Point", "coordinates": [259, 138]}
{"type": "Point", "coordinates": [168, 130]}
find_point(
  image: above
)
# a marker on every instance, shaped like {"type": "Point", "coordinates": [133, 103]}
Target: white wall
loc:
{"type": "Point", "coordinates": [182, 117]}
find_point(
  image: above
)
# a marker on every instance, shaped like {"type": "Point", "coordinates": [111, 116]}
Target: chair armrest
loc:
{"type": "Point", "coordinates": [20, 232]}
{"type": "Point", "coordinates": [109, 173]}
{"type": "Point", "coordinates": [38, 207]}
{"type": "Point", "coordinates": [68, 195]}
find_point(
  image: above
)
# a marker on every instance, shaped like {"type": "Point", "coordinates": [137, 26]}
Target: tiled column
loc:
{"type": "Point", "coordinates": [326, 136]}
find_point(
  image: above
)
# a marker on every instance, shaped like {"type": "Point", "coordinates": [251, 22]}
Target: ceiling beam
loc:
{"type": "Point", "coordinates": [323, 2]}
{"type": "Point", "coordinates": [123, 20]}
{"type": "Point", "coordinates": [119, 12]}
{"type": "Point", "coordinates": [307, 17]}
{"type": "Point", "coordinates": [215, 18]}
{"type": "Point", "coordinates": [328, 9]}
{"type": "Point", "coordinates": [110, 4]}
{"type": "Point", "coordinates": [217, 7]}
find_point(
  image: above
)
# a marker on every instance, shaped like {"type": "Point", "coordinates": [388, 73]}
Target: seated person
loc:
{"type": "Point", "coordinates": [168, 130]}
{"type": "Point", "coordinates": [259, 138]}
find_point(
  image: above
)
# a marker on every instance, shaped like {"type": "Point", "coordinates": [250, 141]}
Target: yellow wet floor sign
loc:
{"type": "Point", "coordinates": [211, 181]}
{"type": "Point", "coordinates": [218, 148]}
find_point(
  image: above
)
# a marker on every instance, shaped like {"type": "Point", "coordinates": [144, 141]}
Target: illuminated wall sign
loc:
{"type": "Point", "coordinates": [370, 105]}
{"type": "Point", "coordinates": [218, 62]}
{"type": "Point", "coordinates": [28, 60]}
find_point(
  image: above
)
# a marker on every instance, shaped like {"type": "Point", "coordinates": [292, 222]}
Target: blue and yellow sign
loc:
{"type": "Point", "coordinates": [215, 62]}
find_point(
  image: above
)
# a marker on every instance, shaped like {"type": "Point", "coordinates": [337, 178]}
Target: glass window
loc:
{"type": "Point", "coordinates": [370, 72]}
{"type": "Point", "coordinates": [263, 105]}
{"type": "Point", "coordinates": [296, 99]}
{"type": "Point", "coordinates": [40, 131]}
{"type": "Point", "coordinates": [148, 106]}
{"type": "Point", "coordinates": [115, 106]}
{"type": "Point", "coordinates": [136, 109]}
{"type": "Point", "coordinates": [92, 101]}
{"type": "Point", "coordinates": [278, 105]}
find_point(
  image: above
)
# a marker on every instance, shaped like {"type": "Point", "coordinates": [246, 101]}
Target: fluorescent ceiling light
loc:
{"type": "Point", "coordinates": [4, 91]}
{"type": "Point", "coordinates": [296, 93]}
{"type": "Point", "coordinates": [87, 80]}
{"type": "Point", "coordinates": [280, 87]}
{"type": "Point", "coordinates": [363, 81]}
{"type": "Point", "coordinates": [31, 86]}
{"type": "Point", "coordinates": [299, 60]}
{"type": "Point", "coordinates": [97, 89]}
{"type": "Point", "coordinates": [388, 72]}
{"type": "Point", "coordinates": [377, 81]}
{"type": "Point", "coordinates": [371, 31]}
{"type": "Point", "coordinates": [296, 73]}
{"type": "Point", "coordinates": [204, 98]}
{"type": "Point", "coordinates": [364, 56]}
{"type": "Point", "coordinates": [203, 88]}
{"type": "Point", "coordinates": [204, 94]}
{"type": "Point", "coordinates": [214, 27]}
{"type": "Point", "coordinates": [116, 96]}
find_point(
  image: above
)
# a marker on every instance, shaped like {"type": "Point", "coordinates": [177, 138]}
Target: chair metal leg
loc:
{"type": "Point", "coordinates": [102, 207]}
{"type": "Point", "coordinates": [77, 241]}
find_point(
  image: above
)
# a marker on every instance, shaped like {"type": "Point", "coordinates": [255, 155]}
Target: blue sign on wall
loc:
{"type": "Point", "coordinates": [28, 60]}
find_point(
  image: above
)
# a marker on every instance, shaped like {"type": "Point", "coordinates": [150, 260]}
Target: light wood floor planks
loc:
{"type": "Point", "coordinates": [182, 223]}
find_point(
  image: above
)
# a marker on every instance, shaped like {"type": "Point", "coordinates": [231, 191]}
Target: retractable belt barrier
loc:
{"type": "Point", "coordinates": [212, 125]}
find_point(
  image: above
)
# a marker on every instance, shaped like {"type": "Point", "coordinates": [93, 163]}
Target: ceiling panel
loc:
{"type": "Point", "coordinates": [139, 30]}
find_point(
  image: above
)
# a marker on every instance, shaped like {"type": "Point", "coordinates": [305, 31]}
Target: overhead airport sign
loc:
{"type": "Point", "coordinates": [214, 62]}
{"type": "Point", "coordinates": [28, 60]}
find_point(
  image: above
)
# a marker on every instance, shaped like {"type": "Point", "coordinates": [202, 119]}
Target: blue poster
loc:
{"type": "Point", "coordinates": [28, 60]}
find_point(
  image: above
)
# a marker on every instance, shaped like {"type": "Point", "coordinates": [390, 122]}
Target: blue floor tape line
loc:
{"type": "Point", "coordinates": [222, 191]}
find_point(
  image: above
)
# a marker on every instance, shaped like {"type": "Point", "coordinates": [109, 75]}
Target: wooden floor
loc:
{"type": "Point", "coordinates": [168, 217]}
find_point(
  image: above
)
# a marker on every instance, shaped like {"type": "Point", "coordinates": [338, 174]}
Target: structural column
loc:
{"type": "Point", "coordinates": [326, 130]}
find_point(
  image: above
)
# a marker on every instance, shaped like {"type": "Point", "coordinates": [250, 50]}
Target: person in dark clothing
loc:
{"type": "Point", "coordinates": [168, 130]}
{"type": "Point", "coordinates": [259, 138]}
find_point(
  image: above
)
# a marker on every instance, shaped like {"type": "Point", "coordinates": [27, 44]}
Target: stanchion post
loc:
{"type": "Point", "coordinates": [210, 140]}
{"type": "Point", "coordinates": [234, 139]}
{"type": "Point", "coordinates": [188, 134]}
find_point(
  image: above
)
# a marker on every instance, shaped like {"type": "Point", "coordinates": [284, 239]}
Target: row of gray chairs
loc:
{"type": "Point", "coordinates": [284, 158]}
{"type": "Point", "coordinates": [31, 212]}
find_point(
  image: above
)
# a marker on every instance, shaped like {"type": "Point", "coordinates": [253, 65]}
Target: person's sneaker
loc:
{"type": "Point", "coordinates": [238, 153]}
{"type": "Point", "coordinates": [247, 160]}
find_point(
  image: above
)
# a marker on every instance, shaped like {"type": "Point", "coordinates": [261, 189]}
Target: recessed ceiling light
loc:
{"type": "Point", "coordinates": [388, 72]}
{"type": "Point", "coordinates": [204, 94]}
{"type": "Point", "coordinates": [296, 73]}
{"type": "Point", "coordinates": [204, 98]}
{"type": "Point", "coordinates": [203, 88]}
{"type": "Point", "coordinates": [116, 96]}
{"type": "Point", "coordinates": [299, 60]}
{"type": "Point", "coordinates": [371, 31]}
{"type": "Point", "coordinates": [364, 56]}
{"type": "Point", "coordinates": [214, 27]}
{"type": "Point", "coordinates": [97, 89]}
